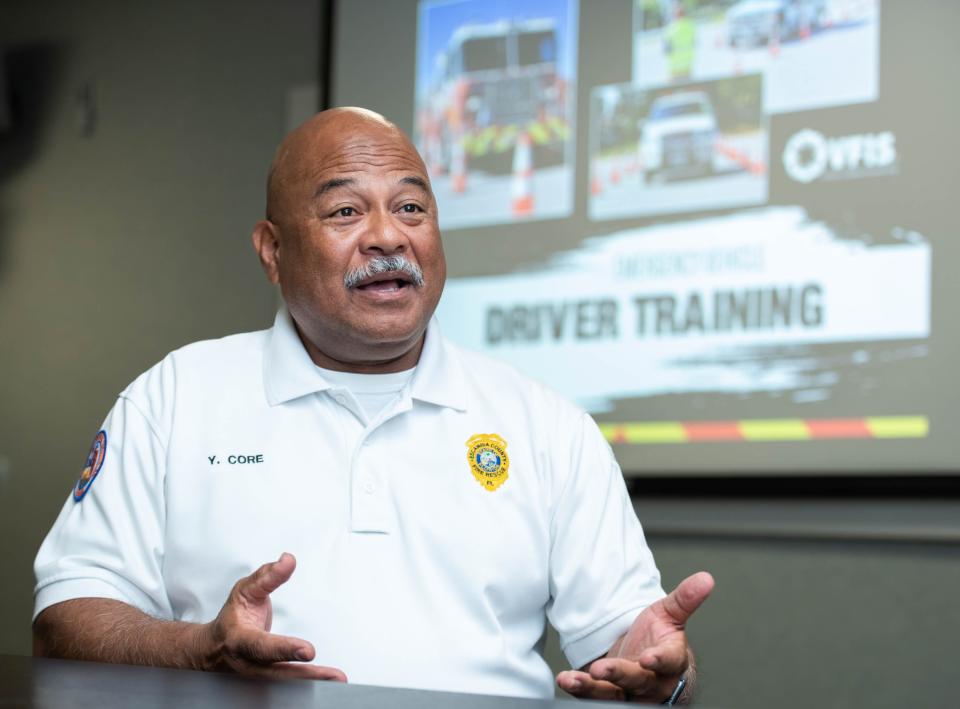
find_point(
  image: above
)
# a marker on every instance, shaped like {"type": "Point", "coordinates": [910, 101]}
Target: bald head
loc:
{"type": "Point", "coordinates": [317, 140]}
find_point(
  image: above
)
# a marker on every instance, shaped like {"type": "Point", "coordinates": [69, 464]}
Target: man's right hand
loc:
{"type": "Point", "coordinates": [239, 638]}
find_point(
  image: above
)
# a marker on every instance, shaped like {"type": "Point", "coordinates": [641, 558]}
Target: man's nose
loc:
{"type": "Point", "coordinates": [383, 234]}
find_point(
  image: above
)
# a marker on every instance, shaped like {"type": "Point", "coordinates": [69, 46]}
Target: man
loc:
{"type": "Point", "coordinates": [441, 506]}
{"type": "Point", "coordinates": [680, 44]}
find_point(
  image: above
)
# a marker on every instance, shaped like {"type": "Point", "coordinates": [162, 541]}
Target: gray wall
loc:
{"type": "Point", "coordinates": [818, 602]}
{"type": "Point", "coordinates": [121, 245]}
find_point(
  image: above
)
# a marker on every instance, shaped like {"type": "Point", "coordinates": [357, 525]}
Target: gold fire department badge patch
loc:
{"type": "Point", "coordinates": [489, 462]}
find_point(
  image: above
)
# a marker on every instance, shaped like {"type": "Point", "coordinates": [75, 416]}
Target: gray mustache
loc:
{"type": "Point", "coordinates": [384, 264]}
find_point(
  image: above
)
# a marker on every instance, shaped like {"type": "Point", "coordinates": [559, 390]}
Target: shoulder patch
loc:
{"type": "Point", "coordinates": [95, 458]}
{"type": "Point", "coordinates": [488, 459]}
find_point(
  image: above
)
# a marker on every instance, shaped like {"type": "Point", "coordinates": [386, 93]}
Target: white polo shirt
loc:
{"type": "Point", "coordinates": [415, 568]}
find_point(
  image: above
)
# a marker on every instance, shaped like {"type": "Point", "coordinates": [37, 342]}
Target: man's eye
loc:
{"type": "Point", "coordinates": [345, 212]}
{"type": "Point", "coordinates": [410, 208]}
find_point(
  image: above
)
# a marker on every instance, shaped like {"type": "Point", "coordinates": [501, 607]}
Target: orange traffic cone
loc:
{"type": "Point", "coordinates": [596, 186]}
{"type": "Point", "coordinates": [774, 44]}
{"type": "Point", "coordinates": [458, 168]}
{"type": "Point", "coordinates": [523, 177]}
{"type": "Point", "coordinates": [615, 175]}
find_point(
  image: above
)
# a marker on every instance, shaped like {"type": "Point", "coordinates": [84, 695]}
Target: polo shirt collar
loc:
{"type": "Point", "coordinates": [289, 373]}
{"type": "Point", "coordinates": [439, 376]}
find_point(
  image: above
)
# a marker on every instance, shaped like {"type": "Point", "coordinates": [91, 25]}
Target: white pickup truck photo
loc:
{"type": "Point", "coordinates": [678, 137]}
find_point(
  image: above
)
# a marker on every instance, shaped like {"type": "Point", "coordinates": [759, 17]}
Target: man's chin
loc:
{"type": "Point", "coordinates": [385, 343]}
{"type": "Point", "coordinates": [391, 333]}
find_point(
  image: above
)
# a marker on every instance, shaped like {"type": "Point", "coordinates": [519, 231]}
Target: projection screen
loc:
{"type": "Point", "coordinates": [726, 228]}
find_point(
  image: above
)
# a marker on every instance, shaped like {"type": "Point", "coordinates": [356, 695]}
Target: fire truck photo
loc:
{"type": "Point", "coordinates": [495, 84]}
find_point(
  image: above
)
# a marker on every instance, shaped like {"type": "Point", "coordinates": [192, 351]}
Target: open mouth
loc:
{"type": "Point", "coordinates": [385, 283]}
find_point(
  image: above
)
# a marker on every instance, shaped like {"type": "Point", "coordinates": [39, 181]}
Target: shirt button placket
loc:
{"type": "Point", "coordinates": [368, 502]}
{"type": "Point", "coordinates": [367, 483]}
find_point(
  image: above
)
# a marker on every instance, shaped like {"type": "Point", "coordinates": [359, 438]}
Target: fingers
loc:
{"type": "Point", "coordinates": [617, 679]}
{"type": "Point", "coordinates": [295, 671]}
{"type": "Point", "coordinates": [260, 654]}
{"type": "Point", "coordinates": [582, 685]}
{"type": "Point", "coordinates": [670, 657]}
{"type": "Point", "coordinates": [624, 673]}
{"type": "Point", "coordinates": [263, 648]}
{"type": "Point", "coordinates": [258, 586]}
{"type": "Point", "coordinates": [689, 594]}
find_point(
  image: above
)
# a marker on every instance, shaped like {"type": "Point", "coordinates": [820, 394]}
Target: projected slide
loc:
{"type": "Point", "coordinates": [813, 53]}
{"type": "Point", "coordinates": [495, 102]}
{"type": "Point", "coordinates": [726, 228]}
{"type": "Point", "coordinates": [682, 148]}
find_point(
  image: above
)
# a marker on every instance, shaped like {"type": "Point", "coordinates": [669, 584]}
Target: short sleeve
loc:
{"type": "Point", "coordinates": [109, 543]}
{"type": "Point", "coordinates": [602, 573]}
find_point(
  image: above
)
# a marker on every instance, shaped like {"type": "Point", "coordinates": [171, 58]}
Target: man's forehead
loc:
{"type": "Point", "coordinates": [368, 162]}
{"type": "Point", "coordinates": [333, 184]}
{"type": "Point", "coordinates": [358, 158]}
{"type": "Point", "coordinates": [368, 152]}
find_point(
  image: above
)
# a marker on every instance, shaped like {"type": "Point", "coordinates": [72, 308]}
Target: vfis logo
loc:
{"type": "Point", "coordinates": [809, 155]}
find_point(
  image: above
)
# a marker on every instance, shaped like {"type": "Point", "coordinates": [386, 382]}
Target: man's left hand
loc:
{"type": "Point", "coordinates": [645, 664]}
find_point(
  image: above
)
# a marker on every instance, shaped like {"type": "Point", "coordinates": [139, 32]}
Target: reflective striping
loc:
{"type": "Point", "coordinates": [498, 139]}
{"type": "Point", "coordinates": [714, 431]}
{"type": "Point", "coordinates": [657, 432]}
{"type": "Point", "coordinates": [641, 433]}
{"type": "Point", "coordinates": [839, 428]}
{"type": "Point", "coordinates": [775, 430]}
{"type": "Point", "coordinates": [899, 426]}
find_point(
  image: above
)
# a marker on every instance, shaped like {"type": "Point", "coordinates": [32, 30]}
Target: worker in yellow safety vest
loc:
{"type": "Point", "coordinates": [680, 40]}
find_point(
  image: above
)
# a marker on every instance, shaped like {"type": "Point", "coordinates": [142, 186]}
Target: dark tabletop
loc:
{"type": "Point", "coordinates": [38, 682]}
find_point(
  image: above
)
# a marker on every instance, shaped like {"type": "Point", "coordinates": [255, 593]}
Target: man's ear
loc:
{"type": "Point", "coordinates": [267, 246]}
